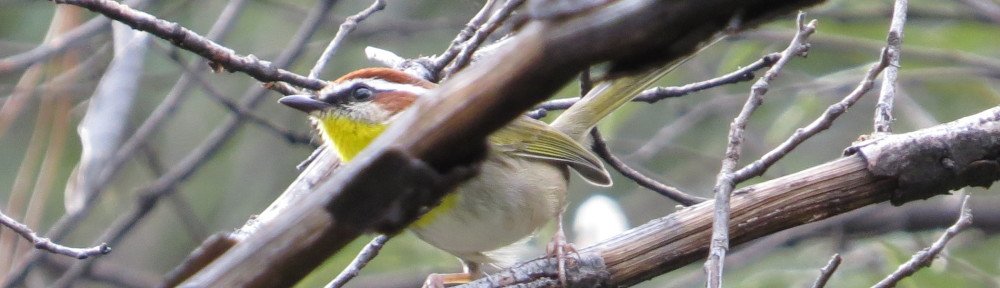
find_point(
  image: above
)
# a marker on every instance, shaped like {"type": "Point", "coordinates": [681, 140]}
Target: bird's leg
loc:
{"type": "Point", "coordinates": [436, 280]}
{"type": "Point", "coordinates": [559, 247]}
{"type": "Point", "coordinates": [471, 270]}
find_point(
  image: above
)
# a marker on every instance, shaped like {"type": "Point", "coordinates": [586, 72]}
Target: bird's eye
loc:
{"type": "Point", "coordinates": [362, 94]}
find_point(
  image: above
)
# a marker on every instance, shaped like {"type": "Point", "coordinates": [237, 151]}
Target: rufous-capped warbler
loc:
{"type": "Point", "coordinates": [522, 182]}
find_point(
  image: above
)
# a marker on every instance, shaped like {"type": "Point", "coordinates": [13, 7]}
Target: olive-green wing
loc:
{"type": "Point", "coordinates": [531, 138]}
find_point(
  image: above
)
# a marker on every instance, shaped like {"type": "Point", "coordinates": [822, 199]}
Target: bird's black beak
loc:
{"type": "Point", "coordinates": [304, 103]}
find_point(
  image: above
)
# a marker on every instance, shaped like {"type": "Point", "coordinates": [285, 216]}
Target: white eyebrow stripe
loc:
{"type": "Point", "coordinates": [379, 85]}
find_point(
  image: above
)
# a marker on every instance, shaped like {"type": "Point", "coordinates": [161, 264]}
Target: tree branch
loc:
{"type": "Point", "coordinates": [811, 195]}
{"type": "Point", "coordinates": [47, 245]}
{"type": "Point", "coordinates": [220, 56]}
{"type": "Point", "coordinates": [726, 179]}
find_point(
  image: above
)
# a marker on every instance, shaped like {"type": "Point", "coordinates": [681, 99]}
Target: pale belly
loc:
{"type": "Point", "coordinates": [487, 217]}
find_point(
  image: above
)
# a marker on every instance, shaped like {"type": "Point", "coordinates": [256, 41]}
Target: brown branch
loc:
{"type": "Point", "coordinates": [926, 256]}
{"type": "Point", "coordinates": [220, 56]}
{"type": "Point", "coordinates": [811, 195]}
{"type": "Point", "coordinates": [726, 182]}
{"type": "Point", "coordinates": [883, 110]}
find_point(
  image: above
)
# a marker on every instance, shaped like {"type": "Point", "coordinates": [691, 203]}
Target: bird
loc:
{"type": "Point", "coordinates": [522, 183]}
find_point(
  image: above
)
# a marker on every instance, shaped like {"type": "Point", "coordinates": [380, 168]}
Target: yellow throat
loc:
{"type": "Point", "coordinates": [347, 136]}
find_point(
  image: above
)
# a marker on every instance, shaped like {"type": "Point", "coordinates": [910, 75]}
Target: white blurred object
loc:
{"type": "Point", "coordinates": [597, 219]}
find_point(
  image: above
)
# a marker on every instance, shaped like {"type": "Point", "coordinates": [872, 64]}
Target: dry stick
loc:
{"type": "Point", "coordinates": [366, 255]}
{"type": "Point", "coordinates": [349, 25]}
{"type": "Point", "coordinates": [824, 122]}
{"type": "Point", "coordinates": [221, 57]}
{"type": "Point", "coordinates": [926, 256]}
{"type": "Point", "coordinates": [470, 46]}
{"type": "Point", "coordinates": [827, 271]}
{"type": "Point", "coordinates": [601, 147]}
{"type": "Point", "coordinates": [47, 245]}
{"type": "Point", "coordinates": [188, 165]}
{"type": "Point", "coordinates": [724, 185]}
{"type": "Point", "coordinates": [653, 95]}
{"type": "Point", "coordinates": [439, 62]}
{"type": "Point", "coordinates": [883, 111]}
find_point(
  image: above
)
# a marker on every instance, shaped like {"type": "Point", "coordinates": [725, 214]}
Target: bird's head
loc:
{"type": "Point", "coordinates": [372, 96]}
{"type": "Point", "coordinates": [352, 111]}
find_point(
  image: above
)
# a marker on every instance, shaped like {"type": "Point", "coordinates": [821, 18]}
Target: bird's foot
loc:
{"type": "Point", "coordinates": [560, 249]}
{"type": "Point", "coordinates": [436, 280]}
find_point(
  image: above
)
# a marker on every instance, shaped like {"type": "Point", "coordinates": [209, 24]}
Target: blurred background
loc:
{"type": "Point", "coordinates": [227, 170]}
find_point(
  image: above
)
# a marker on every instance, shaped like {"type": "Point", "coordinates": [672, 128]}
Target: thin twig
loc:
{"type": "Point", "coordinates": [366, 255]}
{"type": "Point", "coordinates": [345, 28]}
{"type": "Point", "coordinates": [220, 56]}
{"type": "Point", "coordinates": [883, 111]}
{"type": "Point", "coordinates": [601, 148]}
{"type": "Point", "coordinates": [653, 95]}
{"type": "Point", "coordinates": [827, 271]}
{"type": "Point", "coordinates": [47, 245]}
{"type": "Point", "coordinates": [470, 46]}
{"type": "Point", "coordinates": [822, 123]}
{"type": "Point", "coordinates": [724, 185]}
{"type": "Point", "coordinates": [439, 62]}
{"type": "Point", "coordinates": [926, 256]}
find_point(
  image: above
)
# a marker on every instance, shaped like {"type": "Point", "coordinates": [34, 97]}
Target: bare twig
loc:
{"type": "Point", "coordinates": [653, 95]}
{"type": "Point", "coordinates": [345, 28]}
{"type": "Point", "coordinates": [469, 47]}
{"type": "Point", "coordinates": [827, 271]}
{"type": "Point", "coordinates": [220, 56]}
{"type": "Point", "coordinates": [725, 183]}
{"type": "Point", "coordinates": [601, 147]}
{"type": "Point", "coordinates": [366, 255]}
{"type": "Point", "coordinates": [926, 256]}
{"type": "Point", "coordinates": [824, 122]}
{"type": "Point", "coordinates": [439, 62]}
{"type": "Point", "coordinates": [47, 245]}
{"type": "Point", "coordinates": [883, 111]}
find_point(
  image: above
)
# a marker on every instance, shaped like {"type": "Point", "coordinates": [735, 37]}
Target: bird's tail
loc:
{"type": "Point", "coordinates": [608, 96]}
